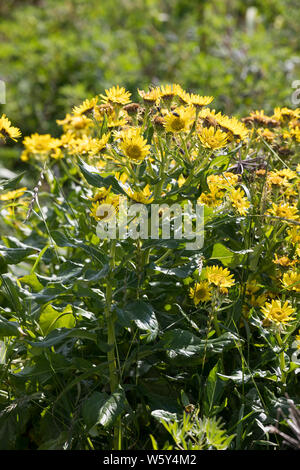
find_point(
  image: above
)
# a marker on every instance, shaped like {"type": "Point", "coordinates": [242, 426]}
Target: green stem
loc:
{"type": "Point", "coordinates": [111, 341]}
{"type": "Point", "coordinates": [281, 359]}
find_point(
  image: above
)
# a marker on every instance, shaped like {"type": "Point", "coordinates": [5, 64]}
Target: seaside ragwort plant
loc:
{"type": "Point", "coordinates": [105, 339]}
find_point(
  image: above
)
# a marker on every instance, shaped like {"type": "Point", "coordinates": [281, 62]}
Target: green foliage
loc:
{"type": "Point", "coordinates": [54, 54]}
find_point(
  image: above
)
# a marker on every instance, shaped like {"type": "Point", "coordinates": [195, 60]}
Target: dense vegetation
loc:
{"type": "Point", "coordinates": [136, 341]}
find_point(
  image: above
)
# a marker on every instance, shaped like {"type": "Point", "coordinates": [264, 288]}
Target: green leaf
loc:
{"type": "Point", "coordinates": [143, 315]}
{"type": "Point", "coordinates": [32, 281]}
{"type": "Point", "coordinates": [185, 344]}
{"type": "Point", "coordinates": [112, 408]}
{"type": "Point", "coordinates": [14, 255]}
{"type": "Point", "coordinates": [8, 328]}
{"type": "Point", "coordinates": [94, 178]}
{"type": "Point", "coordinates": [163, 415]}
{"type": "Point", "coordinates": [61, 335]}
{"type": "Point", "coordinates": [214, 389]}
{"type": "Point", "coordinates": [51, 319]}
{"type": "Point", "coordinates": [11, 183]}
{"type": "Point", "coordinates": [91, 410]}
{"type": "Point", "coordinates": [62, 240]}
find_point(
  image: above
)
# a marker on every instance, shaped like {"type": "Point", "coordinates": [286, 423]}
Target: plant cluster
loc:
{"type": "Point", "coordinates": [128, 343]}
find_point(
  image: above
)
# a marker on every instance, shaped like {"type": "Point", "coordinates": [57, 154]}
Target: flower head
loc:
{"type": "Point", "coordinates": [201, 292]}
{"type": "Point", "coordinates": [277, 313]}
{"type": "Point", "coordinates": [291, 281]}
{"type": "Point", "coordinates": [116, 95]}
{"type": "Point", "coordinates": [220, 277]}
{"type": "Point", "coordinates": [7, 130]}
{"type": "Point", "coordinates": [212, 138]}
{"type": "Point", "coordinates": [179, 120]}
{"type": "Point", "coordinates": [134, 145]}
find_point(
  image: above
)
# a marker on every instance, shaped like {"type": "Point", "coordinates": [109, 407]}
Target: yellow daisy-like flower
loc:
{"type": "Point", "coordinates": [291, 281]}
{"type": "Point", "coordinates": [225, 181]}
{"type": "Point", "coordinates": [86, 107]}
{"type": "Point", "coordinates": [283, 261]}
{"type": "Point", "coordinates": [277, 313]}
{"type": "Point", "coordinates": [239, 201]}
{"type": "Point", "coordinates": [11, 195]}
{"type": "Point", "coordinates": [284, 211]}
{"type": "Point", "coordinates": [252, 287]}
{"type": "Point", "coordinates": [201, 292]}
{"type": "Point", "coordinates": [212, 138]}
{"type": "Point", "coordinates": [78, 124]}
{"type": "Point", "coordinates": [109, 202]}
{"type": "Point", "coordinates": [200, 101]}
{"type": "Point", "coordinates": [116, 95]}
{"type": "Point", "coordinates": [168, 92]}
{"type": "Point", "coordinates": [134, 145]}
{"type": "Point", "coordinates": [42, 146]}
{"type": "Point", "coordinates": [179, 120]}
{"type": "Point", "coordinates": [294, 235]}
{"type": "Point", "coordinates": [144, 197]}
{"type": "Point", "coordinates": [212, 199]}
{"type": "Point", "coordinates": [98, 145]}
{"type": "Point", "coordinates": [234, 126]}
{"type": "Point", "coordinates": [7, 130]}
{"type": "Point", "coordinates": [281, 114]}
{"type": "Point", "coordinates": [220, 277]}
{"type": "Point", "coordinates": [150, 97]}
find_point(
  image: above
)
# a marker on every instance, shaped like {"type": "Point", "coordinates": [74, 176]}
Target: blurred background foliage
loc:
{"type": "Point", "coordinates": [56, 53]}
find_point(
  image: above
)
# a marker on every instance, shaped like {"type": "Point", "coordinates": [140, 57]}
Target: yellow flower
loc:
{"type": "Point", "coordinates": [108, 200]}
{"type": "Point", "coordinates": [283, 261]}
{"type": "Point", "coordinates": [11, 195]}
{"type": "Point", "coordinates": [150, 97]}
{"type": "Point", "coordinates": [144, 196]}
{"type": "Point", "coordinates": [291, 281]}
{"type": "Point", "coordinates": [97, 145]}
{"type": "Point", "coordinates": [281, 114]}
{"type": "Point", "coordinates": [266, 134]}
{"type": "Point", "coordinates": [294, 235]}
{"type": "Point", "coordinates": [168, 92]}
{"type": "Point", "coordinates": [134, 145]}
{"type": "Point", "coordinates": [181, 180]}
{"type": "Point", "coordinates": [78, 124]}
{"type": "Point", "coordinates": [116, 95]}
{"type": "Point", "coordinates": [252, 287]}
{"type": "Point", "coordinates": [200, 101]}
{"type": "Point", "coordinates": [86, 107]}
{"type": "Point", "coordinates": [212, 138]}
{"type": "Point", "coordinates": [284, 211]}
{"type": "Point", "coordinates": [201, 292]}
{"type": "Point", "coordinates": [220, 277]}
{"type": "Point", "coordinates": [281, 177]}
{"type": "Point", "coordinates": [277, 313]}
{"type": "Point", "coordinates": [212, 199]}
{"type": "Point", "coordinates": [179, 120]}
{"type": "Point", "coordinates": [7, 130]}
{"type": "Point", "coordinates": [42, 146]}
{"type": "Point", "coordinates": [225, 181]}
{"type": "Point", "coordinates": [239, 200]}
{"type": "Point", "coordinates": [232, 125]}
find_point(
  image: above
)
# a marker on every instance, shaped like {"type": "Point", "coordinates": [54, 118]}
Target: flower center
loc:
{"type": "Point", "coordinates": [134, 151]}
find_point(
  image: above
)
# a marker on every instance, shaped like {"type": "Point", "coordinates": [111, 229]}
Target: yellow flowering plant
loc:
{"type": "Point", "coordinates": [148, 257]}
